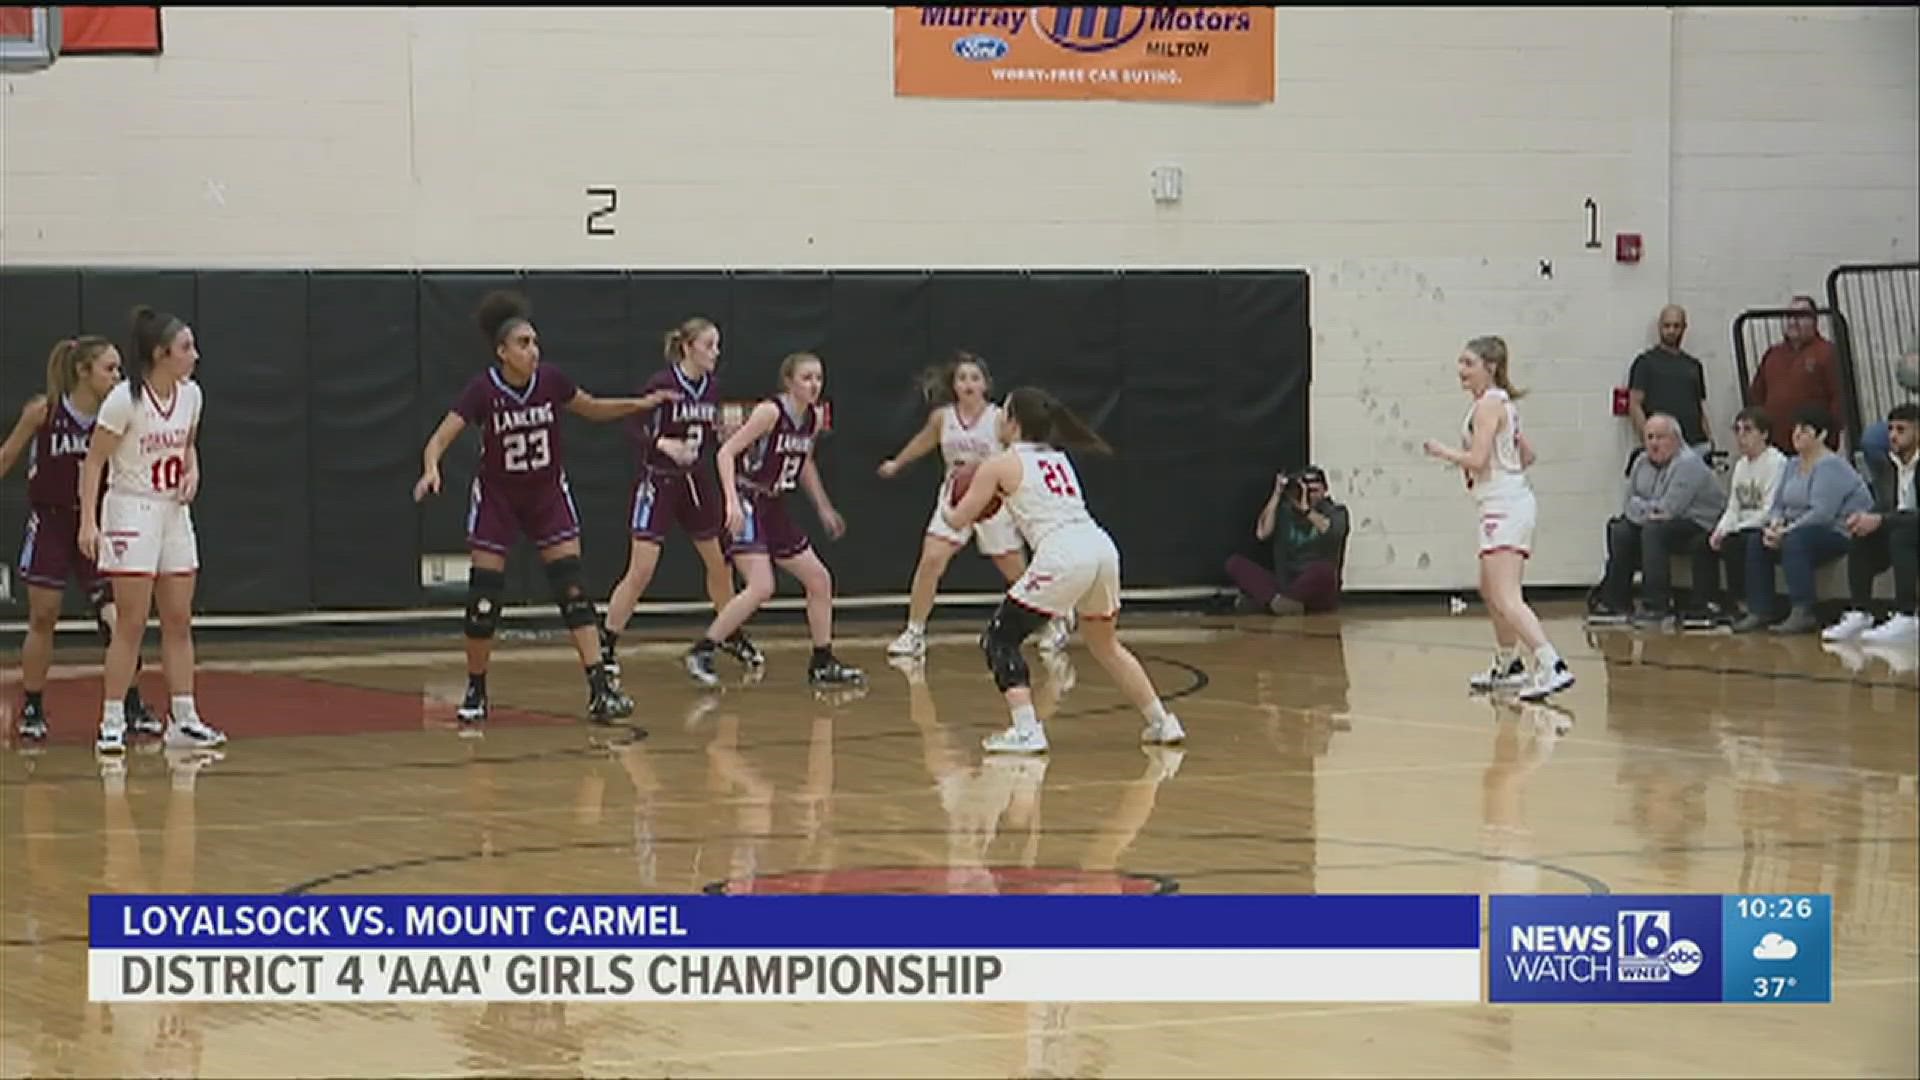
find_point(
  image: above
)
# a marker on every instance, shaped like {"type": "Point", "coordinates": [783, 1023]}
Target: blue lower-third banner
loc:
{"type": "Point", "coordinates": [785, 948]}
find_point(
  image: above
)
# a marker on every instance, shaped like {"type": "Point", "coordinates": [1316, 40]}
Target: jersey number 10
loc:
{"type": "Point", "coordinates": [167, 473]}
{"type": "Point", "coordinates": [1057, 479]}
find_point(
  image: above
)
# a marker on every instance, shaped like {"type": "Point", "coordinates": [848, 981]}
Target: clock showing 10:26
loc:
{"type": "Point", "coordinates": [1777, 948]}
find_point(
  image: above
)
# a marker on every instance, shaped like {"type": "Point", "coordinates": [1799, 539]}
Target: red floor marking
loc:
{"type": "Point", "coordinates": [246, 705]}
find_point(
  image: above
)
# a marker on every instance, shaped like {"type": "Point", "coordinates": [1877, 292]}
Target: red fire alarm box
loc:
{"type": "Point", "coordinates": [1626, 247]}
{"type": "Point", "coordinates": [1622, 401]}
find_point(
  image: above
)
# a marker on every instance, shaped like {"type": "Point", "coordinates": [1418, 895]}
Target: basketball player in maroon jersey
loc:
{"type": "Point", "coordinates": [53, 431]}
{"type": "Point", "coordinates": [677, 484]}
{"type": "Point", "coordinates": [521, 488]}
{"type": "Point", "coordinates": [777, 444]}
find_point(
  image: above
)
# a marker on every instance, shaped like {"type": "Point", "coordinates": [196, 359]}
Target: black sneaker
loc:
{"type": "Point", "coordinates": [33, 723]}
{"type": "Point", "coordinates": [1605, 614]}
{"type": "Point", "coordinates": [473, 707]}
{"type": "Point", "coordinates": [605, 702]}
{"type": "Point", "coordinates": [740, 648]}
{"type": "Point", "coordinates": [1707, 617]}
{"type": "Point", "coordinates": [141, 721]}
{"type": "Point", "coordinates": [829, 671]}
{"type": "Point", "coordinates": [699, 663]}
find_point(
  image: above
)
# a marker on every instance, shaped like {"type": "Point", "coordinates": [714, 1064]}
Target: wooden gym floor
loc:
{"type": "Point", "coordinates": [1333, 755]}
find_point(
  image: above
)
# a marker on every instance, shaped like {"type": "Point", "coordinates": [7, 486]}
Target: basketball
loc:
{"type": "Point", "coordinates": [962, 479]}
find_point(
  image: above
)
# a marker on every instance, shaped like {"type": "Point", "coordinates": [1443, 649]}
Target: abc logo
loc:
{"type": "Point", "coordinates": [1090, 29]}
{"type": "Point", "coordinates": [1683, 958]}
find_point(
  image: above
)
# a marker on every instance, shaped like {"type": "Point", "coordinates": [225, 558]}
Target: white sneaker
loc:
{"type": "Point", "coordinates": [193, 731]}
{"type": "Point", "coordinates": [1164, 732]}
{"type": "Point", "coordinates": [1016, 741]}
{"type": "Point", "coordinates": [911, 642]}
{"type": "Point", "coordinates": [1547, 683]}
{"type": "Point", "coordinates": [1494, 679]}
{"type": "Point", "coordinates": [113, 738]}
{"type": "Point", "coordinates": [1849, 627]}
{"type": "Point", "coordinates": [1899, 630]}
{"type": "Point", "coordinates": [1851, 655]}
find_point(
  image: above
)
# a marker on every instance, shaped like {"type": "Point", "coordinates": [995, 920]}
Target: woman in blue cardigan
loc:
{"type": "Point", "coordinates": [1806, 527]}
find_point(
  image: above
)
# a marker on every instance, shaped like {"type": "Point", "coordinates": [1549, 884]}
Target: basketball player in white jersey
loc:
{"type": "Point", "coordinates": [1494, 460]}
{"type": "Point", "coordinates": [143, 538]}
{"type": "Point", "coordinates": [1075, 568]}
{"type": "Point", "coordinates": [966, 428]}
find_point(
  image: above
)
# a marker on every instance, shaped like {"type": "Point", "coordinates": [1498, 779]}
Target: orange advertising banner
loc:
{"type": "Point", "coordinates": [1206, 54]}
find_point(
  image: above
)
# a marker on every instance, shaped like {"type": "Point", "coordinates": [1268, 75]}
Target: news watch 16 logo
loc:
{"type": "Point", "coordinates": [1604, 948]}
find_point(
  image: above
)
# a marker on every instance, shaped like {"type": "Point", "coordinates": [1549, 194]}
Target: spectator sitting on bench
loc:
{"type": "Point", "coordinates": [1309, 534]}
{"type": "Point", "coordinates": [1887, 534]}
{"type": "Point", "coordinates": [1806, 526]}
{"type": "Point", "coordinates": [1755, 476]}
{"type": "Point", "coordinates": [1672, 502]}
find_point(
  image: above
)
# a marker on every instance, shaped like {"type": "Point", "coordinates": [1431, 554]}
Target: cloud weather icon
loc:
{"type": "Point", "coordinates": [1775, 947]}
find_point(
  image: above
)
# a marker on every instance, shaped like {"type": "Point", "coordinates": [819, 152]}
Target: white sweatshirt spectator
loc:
{"type": "Point", "coordinates": [1754, 482]}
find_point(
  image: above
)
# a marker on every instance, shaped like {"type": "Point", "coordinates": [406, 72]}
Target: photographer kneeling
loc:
{"type": "Point", "coordinates": [1309, 534]}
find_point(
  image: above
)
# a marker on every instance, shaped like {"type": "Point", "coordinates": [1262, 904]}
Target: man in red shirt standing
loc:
{"type": "Point", "coordinates": [1802, 370]}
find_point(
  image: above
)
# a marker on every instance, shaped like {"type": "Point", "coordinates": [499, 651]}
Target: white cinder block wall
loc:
{"type": "Point", "coordinates": [1421, 164]}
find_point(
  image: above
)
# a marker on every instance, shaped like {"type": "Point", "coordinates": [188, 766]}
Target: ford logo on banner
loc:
{"type": "Point", "coordinates": [980, 47]}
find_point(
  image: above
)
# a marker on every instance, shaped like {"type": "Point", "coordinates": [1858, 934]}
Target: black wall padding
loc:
{"type": "Point", "coordinates": [107, 299]}
{"type": "Point", "coordinates": [323, 386]}
{"type": "Point", "coordinates": [37, 308]}
{"type": "Point", "coordinates": [363, 409]}
{"type": "Point", "coordinates": [254, 444]}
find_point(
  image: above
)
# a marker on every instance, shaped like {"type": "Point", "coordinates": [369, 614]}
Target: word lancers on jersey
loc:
{"type": "Point", "coordinates": [514, 419]}
{"type": "Point", "coordinates": [793, 444]}
{"type": "Point", "coordinates": [170, 439]}
{"type": "Point", "coordinates": [70, 443]}
{"type": "Point", "coordinates": [695, 412]}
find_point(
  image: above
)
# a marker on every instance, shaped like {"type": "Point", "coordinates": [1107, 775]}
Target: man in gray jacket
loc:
{"type": "Point", "coordinates": [1672, 504]}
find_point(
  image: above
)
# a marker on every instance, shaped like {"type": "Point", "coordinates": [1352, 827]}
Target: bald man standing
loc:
{"type": "Point", "coordinates": [1666, 379]}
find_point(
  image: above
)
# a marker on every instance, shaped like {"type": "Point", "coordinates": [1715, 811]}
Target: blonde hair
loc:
{"type": "Point", "coordinates": [678, 338]}
{"type": "Point", "coordinates": [1492, 351]}
{"type": "Point", "coordinates": [66, 360]}
{"type": "Point", "coordinates": [791, 366]}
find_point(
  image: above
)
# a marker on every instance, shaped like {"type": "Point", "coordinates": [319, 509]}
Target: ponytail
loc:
{"type": "Point", "coordinates": [151, 330]}
{"type": "Point", "coordinates": [677, 339]}
{"type": "Point", "coordinates": [1492, 351]}
{"type": "Point", "coordinates": [1044, 419]}
{"type": "Point", "coordinates": [500, 313]}
{"type": "Point", "coordinates": [66, 360]}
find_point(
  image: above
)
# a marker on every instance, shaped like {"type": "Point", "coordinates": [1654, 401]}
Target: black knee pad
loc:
{"type": "Point", "coordinates": [1010, 625]}
{"type": "Point", "coordinates": [563, 575]}
{"type": "Point", "coordinates": [484, 588]}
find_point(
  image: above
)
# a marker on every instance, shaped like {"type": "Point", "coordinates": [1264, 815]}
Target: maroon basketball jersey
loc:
{"type": "Point", "coordinates": [773, 463]}
{"type": "Point", "coordinates": [519, 428]}
{"type": "Point", "coordinates": [53, 465]}
{"type": "Point", "coordinates": [695, 416]}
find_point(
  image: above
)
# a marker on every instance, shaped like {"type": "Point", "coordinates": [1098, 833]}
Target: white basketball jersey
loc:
{"type": "Point", "coordinates": [962, 443]}
{"type": "Point", "coordinates": [152, 457]}
{"type": "Point", "coordinates": [1048, 499]}
{"type": "Point", "coordinates": [1504, 475]}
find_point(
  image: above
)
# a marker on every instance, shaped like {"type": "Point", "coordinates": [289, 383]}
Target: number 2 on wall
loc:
{"type": "Point", "coordinates": [1057, 479]}
{"type": "Point", "coordinates": [167, 473]}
